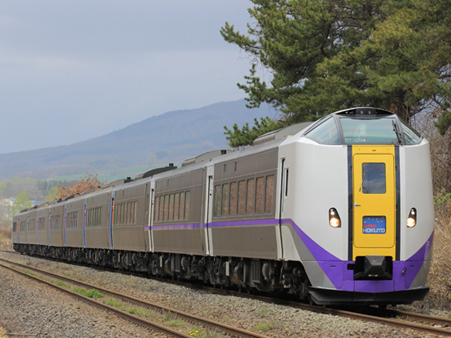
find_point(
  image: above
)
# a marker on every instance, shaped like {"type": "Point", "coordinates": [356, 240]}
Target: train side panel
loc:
{"type": "Point", "coordinates": [308, 195]}
{"type": "Point", "coordinates": [23, 228]}
{"type": "Point", "coordinates": [43, 224]}
{"type": "Point", "coordinates": [244, 223]}
{"type": "Point", "coordinates": [74, 224]}
{"type": "Point", "coordinates": [177, 218]}
{"type": "Point", "coordinates": [416, 192]}
{"type": "Point", "coordinates": [97, 220]}
{"type": "Point", "coordinates": [129, 218]}
{"type": "Point", "coordinates": [57, 225]}
{"type": "Point", "coordinates": [32, 226]}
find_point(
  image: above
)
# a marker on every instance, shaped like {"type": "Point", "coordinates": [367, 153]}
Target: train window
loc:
{"type": "Point", "coordinates": [121, 213]}
{"type": "Point", "coordinates": [373, 180]}
{"type": "Point", "coordinates": [176, 207]}
{"type": "Point", "coordinates": [225, 167]}
{"type": "Point", "coordinates": [269, 201]}
{"type": "Point", "coordinates": [225, 199]}
{"type": "Point", "coordinates": [187, 201]}
{"type": "Point", "coordinates": [182, 206]}
{"type": "Point", "coordinates": [55, 222]}
{"type": "Point", "coordinates": [127, 213]}
{"type": "Point", "coordinates": [23, 226]}
{"type": "Point", "coordinates": [32, 224]}
{"type": "Point", "coordinates": [171, 207]}
{"type": "Point", "coordinates": [369, 130]}
{"type": "Point", "coordinates": [241, 197]}
{"type": "Point", "coordinates": [135, 216]}
{"type": "Point", "coordinates": [14, 226]}
{"type": "Point", "coordinates": [166, 207]}
{"type": "Point", "coordinates": [156, 208]}
{"type": "Point", "coordinates": [326, 133]}
{"type": "Point", "coordinates": [217, 205]}
{"type": "Point", "coordinates": [41, 223]}
{"type": "Point", "coordinates": [250, 196]}
{"type": "Point", "coordinates": [233, 198]}
{"type": "Point", "coordinates": [260, 196]}
{"type": "Point", "coordinates": [71, 219]}
{"type": "Point", "coordinates": [410, 135]}
{"type": "Point", "coordinates": [161, 209]}
{"type": "Point", "coordinates": [93, 217]}
{"type": "Point", "coordinates": [286, 182]}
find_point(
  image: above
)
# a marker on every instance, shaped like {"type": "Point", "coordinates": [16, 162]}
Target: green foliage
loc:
{"type": "Point", "coordinates": [90, 294]}
{"type": "Point", "coordinates": [264, 327]}
{"type": "Point", "coordinates": [22, 202]}
{"type": "Point", "coordinates": [442, 203]}
{"type": "Point", "coordinates": [326, 55]}
{"type": "Point", "coordinates": [244, 136]}
{"type": "Point", "coordinates": [52, 195]}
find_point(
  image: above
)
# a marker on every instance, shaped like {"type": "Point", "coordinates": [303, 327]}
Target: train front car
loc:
{"type": "Point", "coordinates": [357, 208]}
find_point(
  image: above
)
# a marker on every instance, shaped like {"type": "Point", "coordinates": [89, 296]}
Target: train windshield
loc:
{"type": "Point", "coordinates": [370, 130]}
{"type": "Point", "coordinates": [382, 129]}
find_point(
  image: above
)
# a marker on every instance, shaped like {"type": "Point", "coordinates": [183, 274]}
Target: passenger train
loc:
{"type": "Point", "coordinates": [339, 211]}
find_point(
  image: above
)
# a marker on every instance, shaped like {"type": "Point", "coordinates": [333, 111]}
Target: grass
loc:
{"type": "Point", "coordinates": [263, 327]}
{"type": "Point", "coordinates": [87, 293]}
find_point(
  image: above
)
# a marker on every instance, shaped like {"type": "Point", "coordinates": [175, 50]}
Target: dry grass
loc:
{"type": "Point", "coordinates": [439, 296]}
{"type": "Point", "coordinates": [5, 235]}
{"type": "Point", "coordinates": [439, 279]}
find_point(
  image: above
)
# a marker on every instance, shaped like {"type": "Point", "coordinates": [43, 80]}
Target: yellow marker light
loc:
{"type": "Point", "coordinates": [412, 218]}
{"type": "Point", "coordinates": [334, 218]}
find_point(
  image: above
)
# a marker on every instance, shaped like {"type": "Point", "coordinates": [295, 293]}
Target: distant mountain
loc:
{"type": "Point", "coordinates": [170, 137]}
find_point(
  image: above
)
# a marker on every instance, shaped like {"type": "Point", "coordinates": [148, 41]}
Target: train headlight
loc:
{"type": "Point", "coordinates": [334, 218]}
{"type": "Point", "coordinates": [412, 219]}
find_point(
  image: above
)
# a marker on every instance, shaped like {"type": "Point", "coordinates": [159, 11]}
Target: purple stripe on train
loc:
{"type": "Point", "coordinates": [343, 279]}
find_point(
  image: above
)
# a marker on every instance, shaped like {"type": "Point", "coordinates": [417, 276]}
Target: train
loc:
{"type": "Point", "coordinates": [336, 211]}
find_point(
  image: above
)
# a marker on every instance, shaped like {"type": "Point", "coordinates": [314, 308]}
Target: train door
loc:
{"type": "Point", "coordinates": [374, 197]}
{"type": "Point", "coordinates": [151, 214]}
{"type": "Point", "coordinates": [111, 220]}
{"type": "Point", "coordinates": [283, 195]}
{"type": "Point", "coordinates": [18, 230]}
{"type": "Point", "coordinates": [208, 211]}
{"type": "Point", "coordinates": [48, 226]}
{"type": "Point", "coordinates": [64, 224]}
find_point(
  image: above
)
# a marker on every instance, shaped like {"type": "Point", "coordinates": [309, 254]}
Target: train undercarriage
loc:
{"type": "Point", "coordinates": [243, 274]}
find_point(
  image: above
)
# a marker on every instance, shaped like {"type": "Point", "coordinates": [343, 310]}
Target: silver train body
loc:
{"type": "Point", "coordinates": [338, 211]}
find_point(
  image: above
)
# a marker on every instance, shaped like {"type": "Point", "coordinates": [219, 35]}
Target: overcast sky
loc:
{"type": "Point", "coordinates": [75, 69]}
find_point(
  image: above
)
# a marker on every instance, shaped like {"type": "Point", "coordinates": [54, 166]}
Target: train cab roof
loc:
{"type": "Point", "coordinates": [362, 126]}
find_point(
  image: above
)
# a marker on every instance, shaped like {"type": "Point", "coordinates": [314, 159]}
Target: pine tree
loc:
{"type": "Point", "coordinates": [326, 55]}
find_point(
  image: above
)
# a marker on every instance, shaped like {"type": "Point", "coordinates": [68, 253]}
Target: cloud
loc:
{"type": "Point", "coordinates": [72, 70]}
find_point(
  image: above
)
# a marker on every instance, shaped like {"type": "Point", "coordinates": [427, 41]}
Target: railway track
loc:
{"type": "Point", "coordinates": [395, 318]}
{"type": "Point", "coordinates": [132, 313]}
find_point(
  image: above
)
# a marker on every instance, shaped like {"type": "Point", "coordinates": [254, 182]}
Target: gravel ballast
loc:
{"type": "Point", "coordinates": [27, 307]}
